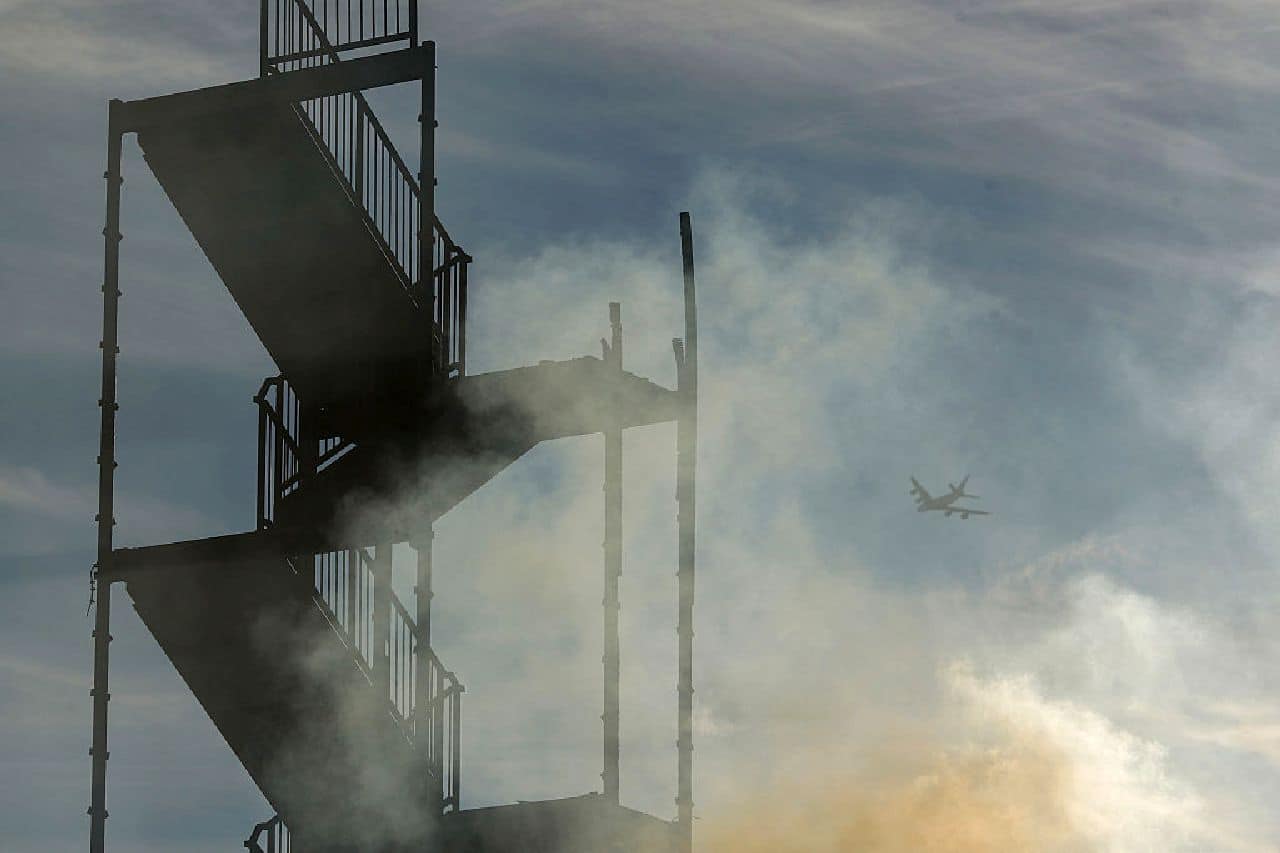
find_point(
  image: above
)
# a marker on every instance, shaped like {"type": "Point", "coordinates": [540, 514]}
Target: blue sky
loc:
{"type": "Point", "coordinates": [1017, 240]}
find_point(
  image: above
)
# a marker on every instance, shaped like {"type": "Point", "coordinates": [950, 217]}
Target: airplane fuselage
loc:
{"type": "Point", "coordinates": [940, 502]}
{"type": "Point", "coordinates": [946, 504]}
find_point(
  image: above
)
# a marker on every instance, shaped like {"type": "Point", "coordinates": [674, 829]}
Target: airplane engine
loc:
{"type": "Point", "coordinates": [947, 513]}
{"type": "Point", "coordinates": [964, 515]}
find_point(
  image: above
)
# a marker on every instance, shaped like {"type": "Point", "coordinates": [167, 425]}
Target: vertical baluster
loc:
{"type": "Point", "coordinates": [462, 317]}
{"type": "Point", "coordinates": [437, 728]}
{"type": "Point", "coordinates": [262, 462]}
{"type": "Point", "coordinates": [340, 573]}
{"type": "Point", "coordinates": [363, 596]}
{"type": "Point", "coordinates": [262, 38]}
{"type": "Point", "coordinates": [359, 155]}
{"type": "Point", "coordinates": [455, 747]}
{"type": "Point", "coordinates": [353, 591]}
{"type": "Point", "coordinates": [277, 452]}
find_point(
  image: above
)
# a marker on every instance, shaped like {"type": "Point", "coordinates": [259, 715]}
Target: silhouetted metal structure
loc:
{"type": "Point", "coordinates": [323, 683]}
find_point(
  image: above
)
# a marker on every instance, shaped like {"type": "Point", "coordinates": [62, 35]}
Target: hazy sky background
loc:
{"type": "Point", "coordinates": [1029, 241]}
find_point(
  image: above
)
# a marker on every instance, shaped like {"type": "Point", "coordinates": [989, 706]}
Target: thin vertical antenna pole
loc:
{"type": "Point", "coordinates": [612, 566]}
{"type": "Point", "coordinates": [106, 485]}
{"type": "Point", "coordinates": [686, 467]}
{"type": "Point", "coordinates": [427, 201]}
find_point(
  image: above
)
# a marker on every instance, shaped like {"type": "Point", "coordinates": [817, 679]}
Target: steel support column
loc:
{"type": "Point", "coordinates": [427, 207]}
{"type": "Point", "coordinates": [612, 568]}
{"type": "Point", "coordinates": [106, 483]}
{"type": "Point", "coordinates": [425, 718]}
{"type": "Point", "coordinates": [686, 469]}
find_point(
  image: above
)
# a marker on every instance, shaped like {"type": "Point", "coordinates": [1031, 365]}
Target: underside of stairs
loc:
{"type": "Point", "coordinates": [461, 437]}
{"type": "Point", "coordinates": [283, 687]}
{"type": "Point", "coordinates": [298, 256]}
{"type": "Point", "coordinates": [587, 824]}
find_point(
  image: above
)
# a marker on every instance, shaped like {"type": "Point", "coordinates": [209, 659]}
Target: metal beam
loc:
{"type": "Point", "coordinates": [106, 483]}
{"type": "Point", "coordinates": [384, 69]}
{"type": "Point", "coordinates": [427, 200]}
{"type": "Point", "coordinates": [686, 469]}
{"type": "Point", "coordinates": [425, 717]}
{"type": "Point", "coordinates": [612, 565]}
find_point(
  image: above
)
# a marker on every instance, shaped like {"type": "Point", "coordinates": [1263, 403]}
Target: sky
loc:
{"type": "Point", "coordinates": [1027, 241]}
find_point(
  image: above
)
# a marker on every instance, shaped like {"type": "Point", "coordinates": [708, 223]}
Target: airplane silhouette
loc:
{"type": "Point", "coordinates": [945, 504]}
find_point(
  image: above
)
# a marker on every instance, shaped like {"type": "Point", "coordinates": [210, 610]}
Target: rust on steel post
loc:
{"type": "Point", "coordinates": [686, 465]}
{"type": "Point", "coordinates": [106, 484]}
{"type": "Point", "coordinates": [612, 564]}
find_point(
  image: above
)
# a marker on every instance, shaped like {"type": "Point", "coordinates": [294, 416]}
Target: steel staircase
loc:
{"type": "Point", "coordinates": [313, 221]}
{"type": "Point", "coordinates": [290, 635]}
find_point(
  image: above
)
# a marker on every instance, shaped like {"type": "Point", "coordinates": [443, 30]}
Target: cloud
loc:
{"type": "Point", "coordinates": [1017, 714]}
{"type": "Point", "coordinates": [81, 41]}
{"type": "Point", "coordinates": [1135, 140]}
{"type": "Point", "coordinates": [41, 510]}
{"type": "Point", "coordinates": [1026, 774]}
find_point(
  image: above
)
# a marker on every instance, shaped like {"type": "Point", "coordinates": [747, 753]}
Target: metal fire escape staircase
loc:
{"type": "Point", "coordinates": [289, 635]}
{"type": "Point", "coordinates": [310, 667]}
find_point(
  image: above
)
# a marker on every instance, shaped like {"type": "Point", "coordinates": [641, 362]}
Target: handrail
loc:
{"type": "Point", "coordinates": [356, 25]}
{"type": "Point", "coordinates": [278, 840]}
{"type": "Point", "coordinates": [344, 588]}
{"type": "Point", "coordinates": [285, 458]}
{"type": "Point", "coordinates": [361, 154]}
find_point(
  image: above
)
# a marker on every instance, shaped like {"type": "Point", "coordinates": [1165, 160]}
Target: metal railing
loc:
{"type": "Point", "coordinates": [437, 727]}
{"type": "Point", "coordinates": [345, 588]}
{"type": "Point", "coordinates": [285, 457]}
{"type": "Point", "coordinates": [285, 26]}
{"type": "Point", "coordinates": [299, 34]}
{"type": "Point", "coordinates": [276, 837]}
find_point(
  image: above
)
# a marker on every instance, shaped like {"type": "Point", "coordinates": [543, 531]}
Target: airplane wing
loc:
{"type": "Point", "coordinates": [919, 492]}
{"type": "Point", "coordinates": [963, 512]}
